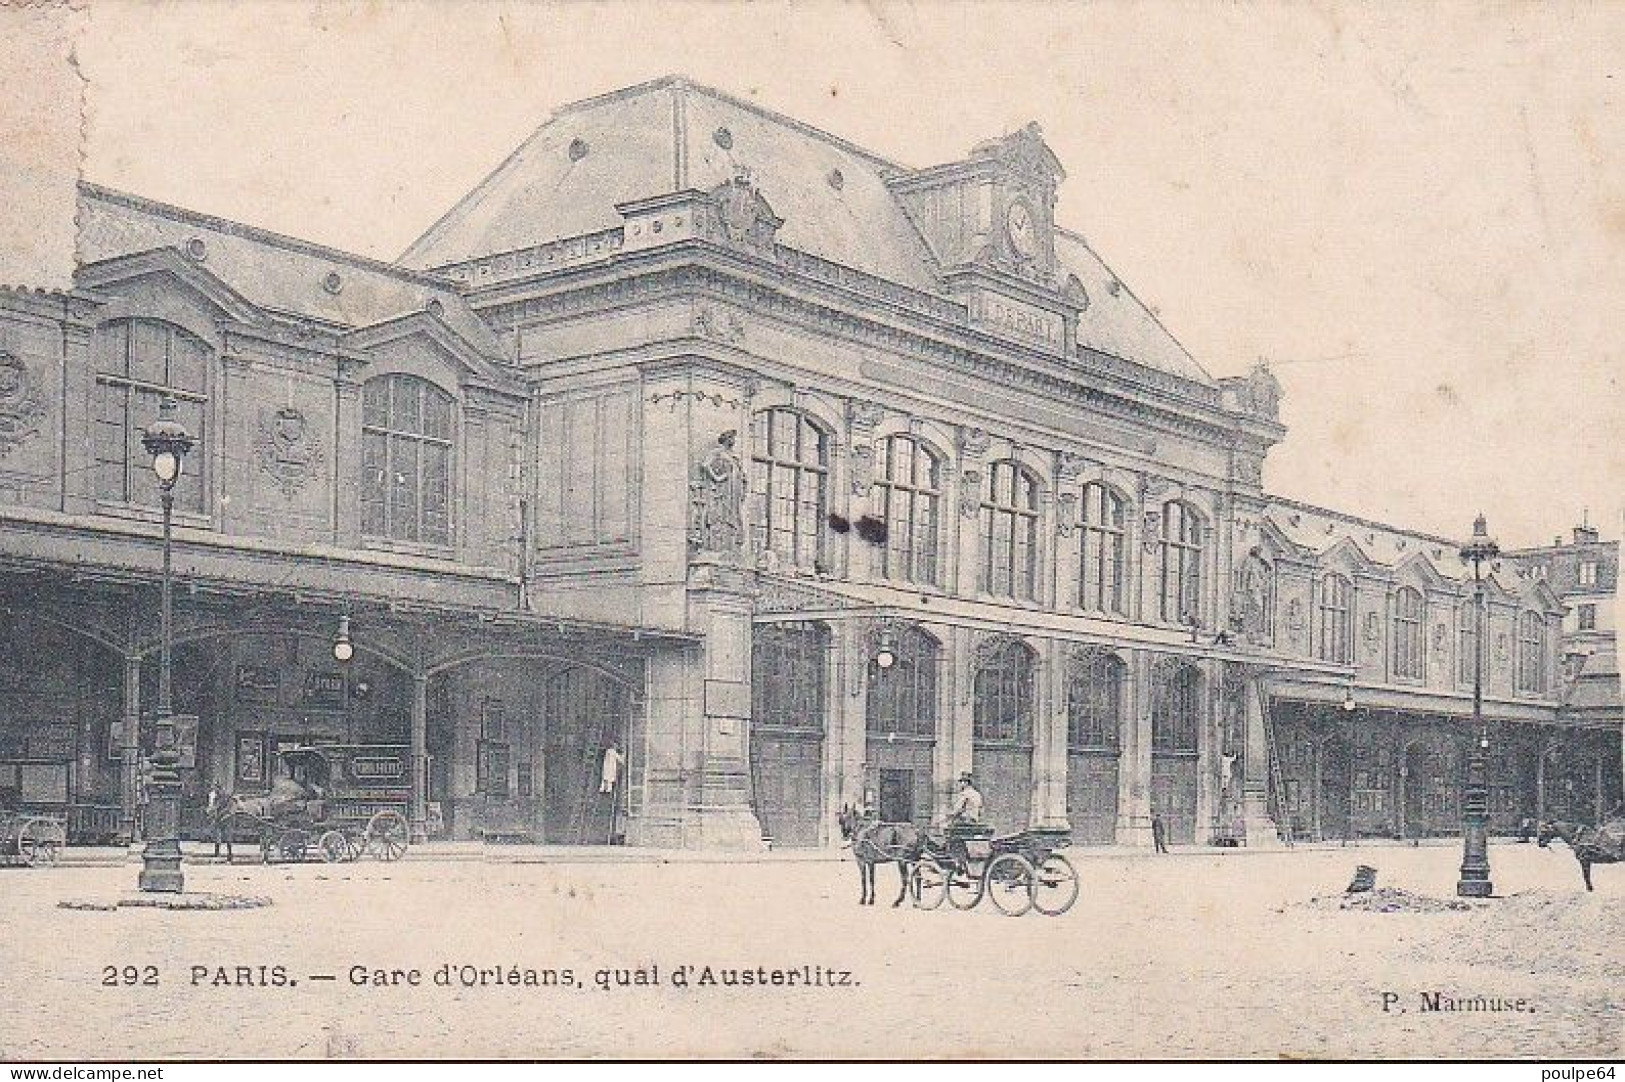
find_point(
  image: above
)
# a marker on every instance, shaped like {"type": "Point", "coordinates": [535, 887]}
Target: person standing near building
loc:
{"type": "Point", "coordinates": [1159, 833]}
{"type": "Point", "coordinates": [612, 768]}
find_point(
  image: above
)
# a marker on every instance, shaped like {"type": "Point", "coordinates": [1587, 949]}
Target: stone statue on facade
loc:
{"type": "Point", "coordinates": [717, 499]}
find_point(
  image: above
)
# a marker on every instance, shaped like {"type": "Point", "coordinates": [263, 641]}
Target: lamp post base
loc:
{"type": "Point", "coordinates": [1474, 888]}
{"type": "Point", "coordinates": [161, 868]}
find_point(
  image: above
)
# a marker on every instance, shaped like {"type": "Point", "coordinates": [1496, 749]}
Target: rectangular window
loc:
{"type": "Point", "coordinates": [491, 769]}
{"type": "Point", "coordinates": [1588, 617]}
{"type": "Point", "coordinates": [1588, 573]}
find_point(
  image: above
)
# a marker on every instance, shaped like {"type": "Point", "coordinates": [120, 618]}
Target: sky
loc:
{"type": "Point", "coordinates": [1416, 213]}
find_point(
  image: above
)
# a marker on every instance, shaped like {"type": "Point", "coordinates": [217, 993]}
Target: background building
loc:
{"type": "Point", "coordinates": [806, 477]}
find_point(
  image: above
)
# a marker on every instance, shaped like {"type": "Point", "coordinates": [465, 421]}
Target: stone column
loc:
{"type": "Point", "coordinates": [1134, 764]}
{"type": "Point", "coordinates": [420, 755]}
{"type": "Point", "coordinates": [966, 504]}
{"type": "Point", "coordinates": [79, 475]}
{"type": "Point", "coordinates": [957, 731]}
{"type": "Point", "coordinates": [1207, 751]}
{"type": "Point", "coordinates": [235, 475]}
{"type": "Point", "coordinates": [1258, 828]}
{"type": "Point", "coordinates": [347, 455]}
{"type": "Point", "coordinates": [1049, 739]}
{"type": "Point", "coordinates": [719, 815]}
{"type": "Point", "coordinates": [130, 747]}
{"type": "Point", "coordinates": [846, 735]}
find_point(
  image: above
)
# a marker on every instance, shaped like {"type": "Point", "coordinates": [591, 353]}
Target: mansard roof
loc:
{"type": "Point", "coordinates": [1331, 535]}
{"type": "Point", "coordinates": [1116, 322]}
{"type": "Point", "coordinates": [281, 276]}
{"type": "Point", "coordinates": [673, 135]}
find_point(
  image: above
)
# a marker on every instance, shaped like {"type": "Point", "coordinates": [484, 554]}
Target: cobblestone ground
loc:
{"type": "Point", "coordinates": [1181, 955]}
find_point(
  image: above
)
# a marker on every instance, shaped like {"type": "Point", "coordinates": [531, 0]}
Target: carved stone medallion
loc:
{"type": "Point", "coordinates": [22, 407]}
{"type": "Point", "coordinates": [289, 451]}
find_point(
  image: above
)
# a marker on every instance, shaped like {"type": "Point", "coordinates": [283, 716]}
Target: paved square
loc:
{"type": "Point", "coordinates": [1184, 955]}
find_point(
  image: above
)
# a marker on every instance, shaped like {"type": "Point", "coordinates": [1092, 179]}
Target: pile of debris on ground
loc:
{"type": "Point", "coordinates": [1388, 900]}
{"type": "Point", "coordinates": [1364, 896]}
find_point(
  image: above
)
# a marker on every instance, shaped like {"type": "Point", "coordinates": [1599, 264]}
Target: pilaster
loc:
{"type": "Point", "coordinates": [1049, 739]}
{"type": "Point", "coordinates": [1134, 766]}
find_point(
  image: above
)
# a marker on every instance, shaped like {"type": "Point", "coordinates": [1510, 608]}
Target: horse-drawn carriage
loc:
{"type": "Point", "coordinates": [1017, 872]}
{"type": "Point", "coordinates": [338, 802]}
{"type": "Point", "coordinates": [34, 840]}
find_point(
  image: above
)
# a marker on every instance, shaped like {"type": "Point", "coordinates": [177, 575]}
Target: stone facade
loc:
{"type": "Point", "coordinates": [805, 478]}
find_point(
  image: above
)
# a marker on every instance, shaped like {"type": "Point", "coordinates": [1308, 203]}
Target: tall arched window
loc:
{"type": "Point", "coordinates": [1336, 619]}
{"type": "Point", "coordinates": [1094, 693]}
{"type": "Point", "coordinates": [908, 484]}
{"type": "Point", "coordinates": [406, 442]}
{"type": "Point", "coordinates": [790, 483]}
{"type": "Point", "coordinates": [1175, 702]}
{"type": "Point", "coordinates": [1004, 694]}
{"type": "Point", "coordinates": [1010, 532]}
{"type": "Point", "coordinates": [1181, 568]}
{"type": "Point", "coordinates": [1531, 653]}
{"type": "Point", "coordinates": [1410, 612]}
{"type": "Point", "coordinates": [142, 362]}
{"type": "Point", "coordinates": [1104, 523]}
{"type": "Point", "coordinates": [787, 675]}
{"type": "Point", "coordinates": [903, 698]}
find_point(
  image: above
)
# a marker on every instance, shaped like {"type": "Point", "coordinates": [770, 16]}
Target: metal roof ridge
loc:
{"type": "Point", "coordinates": [261, 234]}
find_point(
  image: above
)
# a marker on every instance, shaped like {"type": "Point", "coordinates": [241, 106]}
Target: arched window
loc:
{"type": "Point", "coordinates": [1181, 549]}
{"type": "Point", "coordinates": [1103, 521]}
{"type": "Point", "coordinates": [1466, 640]}
{"type": "Point", "coordinates": [787, 675]}
{"type": "Point", "coordinates": [1410, 613]}
{"type": "Point", "coordinates": [406, 441]}
{"type": "Point", "coordinates": [1094, 694]}
{"type": "Point", "coordinates": [908, 484]}
{"type": "Point", "coordinates": [790, 483]}
{"type": "Point", "coordinates": [1010, 532]}
{"type": "Point", "coordinates": [1004, 694]}
{"type": "Point", "coordinates": [903, 698]}
{"type": "Point", "coordinates": [1175, 701]}
{"type": "Point", "coordinates": [1531, 653]}
{"type": "Point", "coordinates": [143, 362]}
{"type": "Point", "coordinates": [1336, 620]}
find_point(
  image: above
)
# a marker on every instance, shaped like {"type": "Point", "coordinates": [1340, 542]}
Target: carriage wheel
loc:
{"type": "Point", "coordinates": [1055, 886]}
{"type": "Point", "coordinates": [292, 844]}
{"type": "Point", "coordinates": [930, 884]}
{"type": "Point", "coordinates": [1010, 883]}
{"type": "Point", "coordinates": [387, 835]}
{"type": "Point", "coordinates": [964, 888]}
{"type": "Point", "coordinates": [335, 847]}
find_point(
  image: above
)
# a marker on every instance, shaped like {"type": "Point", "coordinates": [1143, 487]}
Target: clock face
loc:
{"type": "Point", "coordinates": [1018, 222]}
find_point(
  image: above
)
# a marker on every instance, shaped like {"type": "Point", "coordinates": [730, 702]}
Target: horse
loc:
{"type": "Point", "coordinates": [1603, 844]}
{"type": "Point", "coordinates": [283, 804]}
{"type": "Point", "coordinates": [874, 842]}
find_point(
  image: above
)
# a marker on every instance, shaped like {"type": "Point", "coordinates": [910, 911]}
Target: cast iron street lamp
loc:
{"type": "Point", "coordinates": [1475, 801]}
{"type": "Point", "coordinates": [167, 441]}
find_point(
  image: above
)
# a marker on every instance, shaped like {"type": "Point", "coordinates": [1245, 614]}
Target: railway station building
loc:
{"type": "Point", "coordinates": [803, 477]}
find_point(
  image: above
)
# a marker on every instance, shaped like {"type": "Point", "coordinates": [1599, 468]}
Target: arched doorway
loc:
{"type": "Point", "coordinates": [1432, 788]}
{"type": "Point", "coordinates": [1094, 695]}
{"type": "Point", "coordinates": [788, 703]}
{"type": "Point", "coordinates": [1336, 778]}
{"type": "Point", "coordinates": [584, 713]}
{"type": "Point", "coordinates": [1002, 745]}
{"type": "Point", "coordinates": [61, 724]}
{"type": "Point", "coordinates": [901, 719]}
{"type": "Point", "coordinates": [1175, 723]}
{"type": "Point", "coordinates": [517, 742]}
